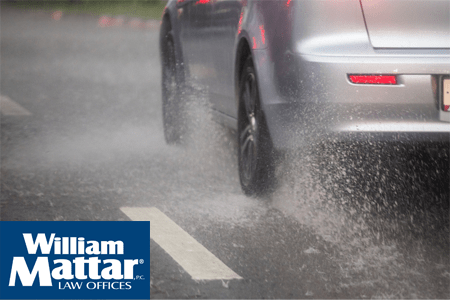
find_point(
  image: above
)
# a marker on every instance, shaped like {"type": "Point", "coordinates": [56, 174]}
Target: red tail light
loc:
{"type": "Point", "coordinates": [202, 2]}
{"type": "Point", "coordinates": [373, 79]}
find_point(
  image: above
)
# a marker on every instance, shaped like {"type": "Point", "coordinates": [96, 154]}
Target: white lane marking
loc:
{"type": "Point", "coordinates": [11, 108]}
{"type": "Point", "coordinates": [184, 249]}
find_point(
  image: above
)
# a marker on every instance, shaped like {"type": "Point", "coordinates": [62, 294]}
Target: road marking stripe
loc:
{"type": "Point", "coordinates": [184, 249]}
{"type": "Point", "coordinates": [11, 108]}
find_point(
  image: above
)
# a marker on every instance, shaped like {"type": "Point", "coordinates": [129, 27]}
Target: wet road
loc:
{"type": "Point", "coordinates": [375, 225]}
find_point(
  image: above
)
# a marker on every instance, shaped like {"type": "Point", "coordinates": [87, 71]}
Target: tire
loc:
{"type": "Point", "coordinates": [255, 149]}
{"type": "Point", "coordinates": [172, 88]}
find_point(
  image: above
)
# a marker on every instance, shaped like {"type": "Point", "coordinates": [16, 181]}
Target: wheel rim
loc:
{"type": "Point", "coordinates": [248, 137]}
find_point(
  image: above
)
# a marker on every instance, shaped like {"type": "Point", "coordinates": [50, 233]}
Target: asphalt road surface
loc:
{"type": "Point", "coordinates": [82, 139]}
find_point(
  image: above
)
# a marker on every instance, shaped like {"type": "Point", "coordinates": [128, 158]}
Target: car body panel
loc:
{"type": "Point", "coordinates": [303, 52]}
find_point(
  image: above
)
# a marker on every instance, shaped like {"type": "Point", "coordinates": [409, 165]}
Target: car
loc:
{"type": "Point", "coordinates": [280, 72]}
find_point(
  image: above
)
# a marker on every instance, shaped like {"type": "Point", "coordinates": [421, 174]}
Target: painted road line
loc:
{"type": "Point", "coordinates": [184, 249]}
{"type": "Point", "coordinates": [11, 108]}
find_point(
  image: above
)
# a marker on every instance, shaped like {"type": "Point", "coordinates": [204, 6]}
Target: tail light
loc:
{"type": "Point", "coordinates": [373, 79]}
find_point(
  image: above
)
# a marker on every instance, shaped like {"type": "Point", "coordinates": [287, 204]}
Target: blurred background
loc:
{"type": "Point", "coordinates": [151, 9]}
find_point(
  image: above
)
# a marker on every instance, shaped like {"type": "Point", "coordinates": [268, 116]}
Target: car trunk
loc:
{"type": "Point", "coordinates": [408, 23]}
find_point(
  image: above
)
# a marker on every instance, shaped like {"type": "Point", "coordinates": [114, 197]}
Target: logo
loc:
{"type": "Point", "coordinates": [74, 260]}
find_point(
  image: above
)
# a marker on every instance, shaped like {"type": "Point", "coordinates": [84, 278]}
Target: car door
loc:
{"type": "Point", "coordinates": [225, 23]}
{"type": "Point", "coordinates": [197, 52]}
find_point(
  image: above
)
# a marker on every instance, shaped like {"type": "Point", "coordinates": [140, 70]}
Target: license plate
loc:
{"type": "Point", "coordinates": [446, 94]}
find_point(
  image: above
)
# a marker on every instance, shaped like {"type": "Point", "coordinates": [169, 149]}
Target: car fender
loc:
{"type": "Point", "coordinates": [251, 32]}
{"type": "Point", "coordinates": [265, 26]}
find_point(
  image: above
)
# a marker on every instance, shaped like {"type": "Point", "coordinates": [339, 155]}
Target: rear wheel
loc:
{"type": "Point", "coordinates": [172, 87]}
{"type": "Point", "coordinates": [256, 167]}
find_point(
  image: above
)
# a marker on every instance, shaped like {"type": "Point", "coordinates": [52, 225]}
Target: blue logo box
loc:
{"type": "Point", "coordinates": [74, 260]}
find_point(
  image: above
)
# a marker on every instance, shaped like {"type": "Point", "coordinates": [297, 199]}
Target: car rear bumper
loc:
{"type": "Point", "coordinates": [317, 100]}
{"type": "Point", "coordinates": [290, 128]}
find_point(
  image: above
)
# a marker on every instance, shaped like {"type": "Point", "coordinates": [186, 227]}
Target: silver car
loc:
{"type": "Point", "coordinates": [281, 72]}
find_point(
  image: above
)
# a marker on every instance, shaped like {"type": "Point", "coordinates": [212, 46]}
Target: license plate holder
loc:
{"type": "Point", "coordinates": [445, 94]}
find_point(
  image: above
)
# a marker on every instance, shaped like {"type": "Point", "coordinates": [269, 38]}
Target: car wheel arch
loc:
{"type": "Point", "coordinates": [243, 51]}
